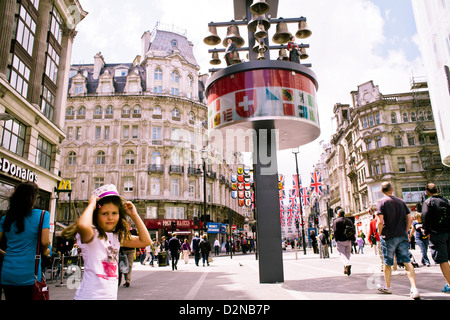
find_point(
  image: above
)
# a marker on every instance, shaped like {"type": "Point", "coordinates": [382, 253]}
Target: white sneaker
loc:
{"type": "Point", "coordinates": [414, 294]}
{"type": "Point", "coordinates": [382, 288]}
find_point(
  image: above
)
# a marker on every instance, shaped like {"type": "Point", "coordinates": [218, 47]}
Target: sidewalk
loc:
{"type": "Point", "coordinates": [305, 278]}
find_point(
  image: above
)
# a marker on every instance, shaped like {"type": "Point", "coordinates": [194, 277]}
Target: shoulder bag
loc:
{"type": "Point", "coordinates": [40, 288]}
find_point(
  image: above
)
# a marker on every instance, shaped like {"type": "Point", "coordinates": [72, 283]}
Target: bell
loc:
{"type": "Point", "coordinates": [236, 58]}
{"type": "Point", "coordinates": [215, 59]}
{"type": "Point", "coordinates": [259, 46]}
{"type": "Point", "coordinates": [252, 25]}
{"type": "Point", "coordinates": [282, 35]}
{"type": "Point", "coordinates": [303, 30]}
{"type": "Point", "coordinates": [261, 32]}
{"type": "Point", "coordinates": [233, 33]}
{"type": "Point", "coordinates": [261, 56]}
{"type": "Point", "coordinates": [303, 54]}
{"type": "Point", "coordinates": [212, 39]}
{"type": "Point", "coordinates": [282, 55]}
{"type": "Point", "coordinates": [259, 7]}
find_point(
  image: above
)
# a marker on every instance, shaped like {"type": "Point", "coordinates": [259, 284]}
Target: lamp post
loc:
{"type": "Point", "coordinates": [295, 151]}
{"type": "Point", "coordinates": [204, 156]}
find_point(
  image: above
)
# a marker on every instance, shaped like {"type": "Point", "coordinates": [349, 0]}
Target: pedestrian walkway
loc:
{"type": "Point", "coordinates": [306, 277]}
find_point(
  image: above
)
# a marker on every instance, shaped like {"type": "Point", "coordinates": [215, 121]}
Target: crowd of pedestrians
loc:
{"type": "Point", "coordinates": [103, 233]}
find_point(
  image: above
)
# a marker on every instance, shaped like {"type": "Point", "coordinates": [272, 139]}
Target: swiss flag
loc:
{"type": "Point", "coordinates": [246, 103]}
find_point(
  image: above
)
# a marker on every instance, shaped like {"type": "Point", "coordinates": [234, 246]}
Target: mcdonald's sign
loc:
{"type": "Point", "coordinates": [64, 185]}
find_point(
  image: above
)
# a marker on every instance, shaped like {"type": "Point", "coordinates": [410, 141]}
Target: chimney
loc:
{"type": "Point", "coordinates": [99, 63]}
{"type": "Point", "coordinates": [145, 40]}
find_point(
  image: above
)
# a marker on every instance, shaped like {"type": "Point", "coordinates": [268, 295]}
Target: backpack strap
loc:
{"type": "Point", "coordinates": [38, 247]}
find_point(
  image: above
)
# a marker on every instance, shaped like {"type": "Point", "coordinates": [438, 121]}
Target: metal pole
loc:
{"type": "Point", "coordinates": [300, 205]}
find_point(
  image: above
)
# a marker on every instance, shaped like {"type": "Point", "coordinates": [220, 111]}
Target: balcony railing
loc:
{"type": "Point", "coordinates": [155, 168]}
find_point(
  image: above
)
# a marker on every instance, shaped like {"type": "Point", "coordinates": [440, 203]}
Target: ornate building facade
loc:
{"type": "Point", "coordinates": [141, 126]}
{"type": "Point", "coordinates": [36, 45]}
{"type": "Point", "coordinates": [383, 138]}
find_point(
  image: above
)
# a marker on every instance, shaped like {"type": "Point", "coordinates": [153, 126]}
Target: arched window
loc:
{"type": "Point", "coordinates": [191, 116]}
{"type": "Point", "coordinates": [70, 111]}
{"type": "Point", "coordinates": [98, 111]}
{"type": "Point", "coordinates": [175, 76]}
{"type": "Point", "coordinates": [175, 113]}
{"type": "Point", "coordinates": [137, 110]}
{"type": "Point", "coordinates": [109, 112]}
{"type": "Point", "coordinates": [81, 112]}
{"type": "Point", "coordinates": [101, 157]}
{"type": "Point", "coordinates": [72, 158]}
{"type": "Point", "coordinates": [393, 117]}
{"type": "Point", "coordinates": [129, 157]}
{"type": "Point", "coordinates": [405, 117]}
{"type": "Point", "coordinates": [156, 158]}
{"type": "Point", "coordinates": [126, 111]}
{"type": "Point", "coordinates": [158, 74]}
{"type": "Point", "coordinates": [157, 110]}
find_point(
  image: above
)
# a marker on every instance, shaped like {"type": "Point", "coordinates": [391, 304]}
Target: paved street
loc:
{"type": "Point", "coordinates": [305, 278]}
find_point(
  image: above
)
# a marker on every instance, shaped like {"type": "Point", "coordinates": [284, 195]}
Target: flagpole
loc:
{"type": "Point", "coordinates": [295, 152]}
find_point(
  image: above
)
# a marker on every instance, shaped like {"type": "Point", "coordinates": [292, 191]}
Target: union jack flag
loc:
{"type": "Point", "coordinates": [294, 205]}
{"type": "Point", "coordinates": [296, 184]}
{"type": "Point", "coordinates": [283, 215]}
{"type": "Point", "coordinates": [316, 183]}
{"type": "Point", "coordinates": [290, 213]}
{"type": "Point", "coordinates": [304, 192]}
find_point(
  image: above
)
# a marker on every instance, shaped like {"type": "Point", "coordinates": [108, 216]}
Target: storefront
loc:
{"type": "Point", "coordinates": [184, 229]}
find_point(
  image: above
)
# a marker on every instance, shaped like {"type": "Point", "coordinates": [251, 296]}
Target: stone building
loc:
{"type": "Point", "coordinates": [141, 126]}
{"type": "Point", "coordinates": [36, 40]}
{"type": "Point", "coordinates": [379, 138]}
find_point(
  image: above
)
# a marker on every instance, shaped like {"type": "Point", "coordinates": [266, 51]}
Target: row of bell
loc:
{"type": "Point", "coordinates": [259, 27]}
{"type": "Point", "coordinates": [259, 48]}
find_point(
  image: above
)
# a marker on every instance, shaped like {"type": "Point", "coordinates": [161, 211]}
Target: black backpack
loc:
{"type": "Point", "coordinates": [441, 216]}
{"type": "Point", "coordinates": [349, 231]}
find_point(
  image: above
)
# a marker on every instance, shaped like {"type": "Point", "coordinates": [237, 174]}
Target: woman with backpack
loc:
{"type": "Point", "coordinates": [344, 232]}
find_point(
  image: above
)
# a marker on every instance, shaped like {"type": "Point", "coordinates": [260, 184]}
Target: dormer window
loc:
{"type": "Point", "coordinates": [174, 43]}
{"type": "Point", "coordinates": [121, 72]}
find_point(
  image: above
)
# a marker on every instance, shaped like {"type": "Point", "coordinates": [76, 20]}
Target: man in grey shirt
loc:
{"type": "Point", "coordinates": [394, 222]}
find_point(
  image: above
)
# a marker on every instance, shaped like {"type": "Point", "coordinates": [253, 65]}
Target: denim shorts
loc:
{"type": "Point", "coordinates": [398, 247]}
{"type": "Point", "coordinates": [440, 247]}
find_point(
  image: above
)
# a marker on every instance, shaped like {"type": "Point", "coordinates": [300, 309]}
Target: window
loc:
{"type": "Point", "coordinates": [156, 158]}
{"type": "Point", "coordinates": [55, 26]}
{"type": "Point", "coordinates": [19, 76]}
{"type": "Point", "coordinates": [174, 91]}
{"type": "Point", "coordinates": [47, 103]}
{"type": "Point", "coordinates": [126, 111]}
{"type": "Point", "coordinates": [52, 64]}
{"type": "Point", "coordinates": [155, 186]}
{"type": "Point", "coordinates": [377, 118]}
{"type": "Point", "coordinates": [415, 163]}
{"type": "Point", "coordinates": [78, 134]}
{"type": "Point", "coordinates": [81, 113]}
{"type": "Point", "coordinates": [156, 135]}
{"type": "Point", "coordinates": [129, 157]}
{"type": "Point", "coordinates": [26, 28]}
{"type": "Point", "coordinates": [109, 112]}
{"type": "Point", "coordinates": [430, 115]}
{"type": "Point", "coordinates": [378, 143]}
{"type": "Point", "coordinates": [106, 134]}
{"type": "Point", "coordinates": [191, 189]}
{"type": "Point", "coordinates": [44, 153]}
{"type": "Point", "coordinates": [120, 72]}
{"type": "Point", "coordinates": [128, 183]}
{"type": "Point", "coordinates": [13, 136]}
{"type": "Point", "coordinates": [98, 132]}
{"type": "Point", "coordinates": [411, 139]}
{"type": "Point", "coordinates": [365, 125]}
{"type": "Point", "coordinates": [98, 182]}
{"type": "Point", "coordinates": [98, 111]}
{"type": "Point", "coordinates": [137, 111]}
{"type": "Point", "coordinates": [126, 132]}
{"type": "Point", "coordinates": [157, 89]}
{"type": "Point", "coordinates": [175, 213]}
{"type": "Point", "coordinates": [413, 117]}
{"type": "Point", "coordinates": [398, 140]}
{"type": "Point", "coordinates": [209, 192]}
{"type": "Point", "coordinates": [158, 74]}
{"type": "Point", "coordinates": [371, 123]}
{"type": "Point", "coordinates": [393, 117]}
{"type": "Point", "coordinates": [134, 133]}
{"type": "Point", "coordinates": [175, 77]}
{"type": "Point", "coordinates": [70, 112]}
{"type": "Point", "coordinates": [191, 116]}
{"type": "Point", "coordinates": [69, 133]}
{"type": "Point", "coordinates": [151, 213]}
{"type": "Point", "coordinates": [401, 164]}
{"type": "Point", "coordinates": [175, 187]}
{"type": "Point", "coordinates": [175, 113]}
{"type": "Point", "coordinates": [72, 158]}
{"type": "Point", "coordinates": [157, 110]}
{"type": "Point", "coordinates": [368, 144]}
{"type": "Point", "coordinates": [101, 157]}
{"type": "Point", "coordinates": [405, 117]}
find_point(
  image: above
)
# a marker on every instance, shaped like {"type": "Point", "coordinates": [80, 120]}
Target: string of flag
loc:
{"type": "Point", "coordinates": [292, 199]}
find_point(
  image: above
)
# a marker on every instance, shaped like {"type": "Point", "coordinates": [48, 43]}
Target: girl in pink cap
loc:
{"type": "Point", "coordinates": [100, 231]}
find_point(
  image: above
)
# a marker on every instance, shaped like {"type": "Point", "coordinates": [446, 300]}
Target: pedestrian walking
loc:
{"type": "Point", "coordinates": [205, 248]}
{"type": "Point", "coordinates": [322, 241]}
{"type": "Point", "coordinates": [216, 247]}
{"type": "Point", "coordinates": [130, 254]}
{"type": "Point", "coordinates": [175, 248]}
{"type": "Point", "coordinates": [421, 238]}
{"type": "Point", "coordinates": [195, 245]}
{"type": "Point", "coordinates": [149, 254]}
{"type": "Point", "coordinates": [186, 249]}
{"type": "Point", "coordinates": [19, 228]}
{"type": "Point", "coordinates": [374, 239]}
{"type": "Point", "coordinates": [394, 222]}
{"type": "Point", "coordinates": [360, 243]}
{"type": "Point", "coordinates": [344, 233]}
{"type": "Point", "coordinates": [99, 232]}
{"type": "Point", "coordinates": [436, 222]}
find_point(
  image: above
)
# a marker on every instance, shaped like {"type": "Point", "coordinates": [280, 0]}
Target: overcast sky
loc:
{"type": "Point", "coordinates": [353, 41]}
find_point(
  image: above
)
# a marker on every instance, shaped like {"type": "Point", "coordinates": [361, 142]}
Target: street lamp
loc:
{"type": "Point", "coordinates": [295, 151]}
{"type": "Point", "coordinates": [204, 156]}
